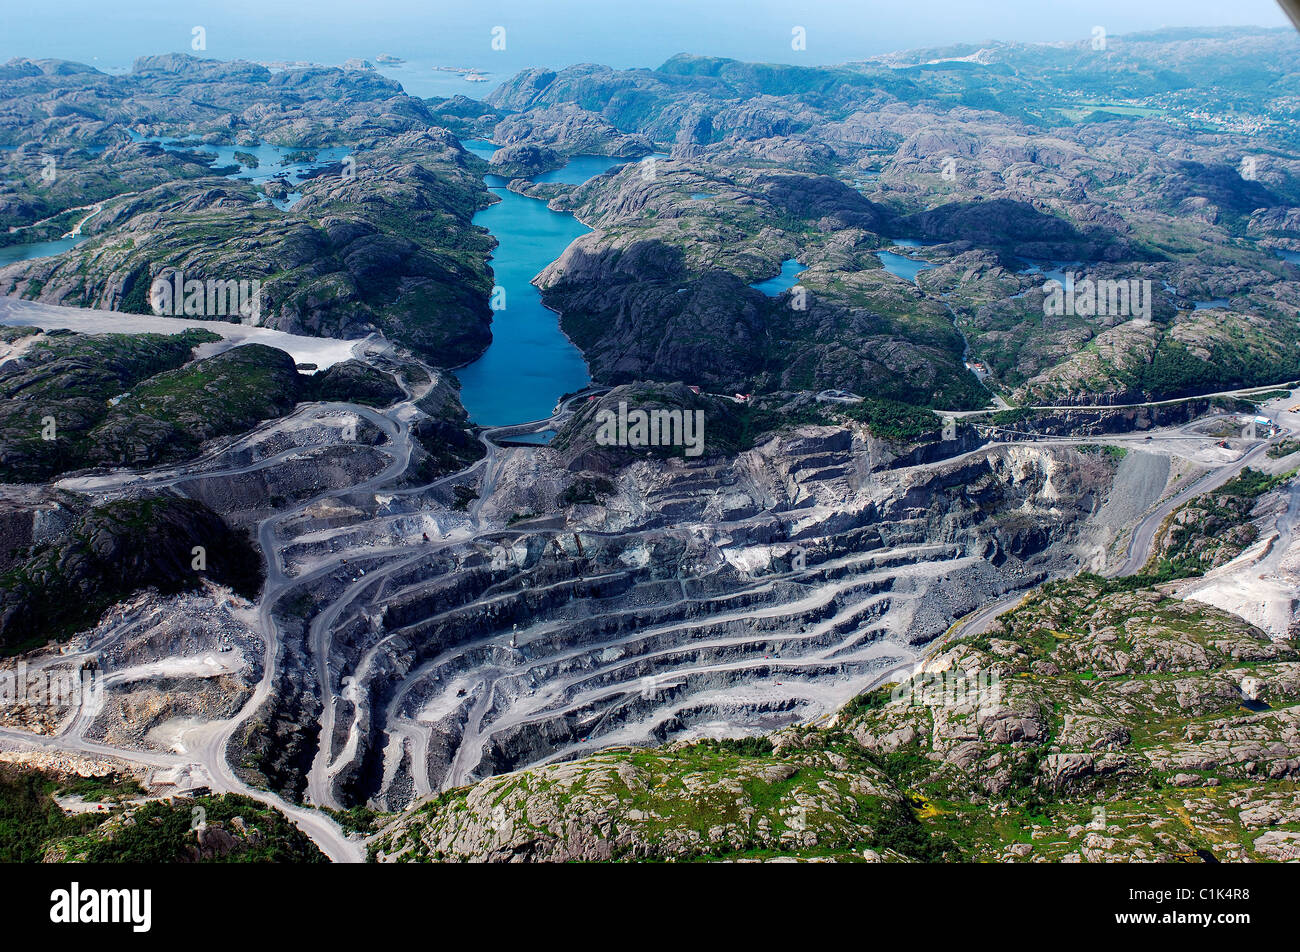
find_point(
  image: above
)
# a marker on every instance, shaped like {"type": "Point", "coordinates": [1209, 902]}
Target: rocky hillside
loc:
{"type": "Point", "coordinates": [68, 380]}
{"type": "Point", "coordinates": [1008, 163]}
{"type": "Point", "coordinates": [55, 100]}
{"type": "Point", "coordinates": [725, 427]}
{"type": "Point", "coordinates": [379, 240]}
{"type": "Point", "coordinates": [1003, 163]}
{"type": "Point", "coordinates": [660, 288]}
{"type": "Point", "coordinates": [75, 401]}
{"type": "Point", "coordinates": [82, 559]}
{"type": "Point", "coordinates": [1213, 528]}
{"type": "Point", "coordinates": [389, 246]}
{"type": "Point", "coordinates": [37, 209]}
{"type": "Point", "coordinates": [1116, 728]}
{"type": "Point", "coordinates": [566, 130]}
{"type": "Point", "coordinates": [235, 829]}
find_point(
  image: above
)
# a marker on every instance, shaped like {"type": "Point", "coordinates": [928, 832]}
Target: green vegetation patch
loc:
{"type": "Point", "coordinates": [235, 829]}
{"type": "Point", "coordinates": [895, 421]}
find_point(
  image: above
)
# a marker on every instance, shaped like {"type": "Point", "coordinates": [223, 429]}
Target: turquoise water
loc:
{"type": "Point", "coordinates": [484, 150]}
{"type": "Point", "coordinates": [901, 266]}
{"type": "Point", "coordinates": [1292, 256]}
{"type": "Point", "coordinates": [583, 168]}
{"type": "Point", "coordinates": [784, 281]}
{"type": "Point", "coordinates": [580, 169]}
{"type": "Point", "coordinates": [271, 159]}
{"type": "Point", "coordinates": [480, 147]}
{"type": "Point", "coordinates": [286, 203]}
{"type": "Point", "coordinates": [36, 249]}
{"type": "Point", "coordinates": [530, 364]}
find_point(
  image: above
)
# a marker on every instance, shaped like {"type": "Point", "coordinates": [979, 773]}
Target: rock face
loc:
{"type": "Point", "coordinates": [107, 552]}
{"type": "Point", "coordinates": [29, 516]}
{"type": "Point", "coordinates": [523, 161]}
{"type": "Point", "coordinates": [1207, 532]}
{"type": "Point", "coordinates": [752, 590]}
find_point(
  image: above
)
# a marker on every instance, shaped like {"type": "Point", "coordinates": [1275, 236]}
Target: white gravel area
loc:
{"type": "Point", "coordinates": [321, 351]}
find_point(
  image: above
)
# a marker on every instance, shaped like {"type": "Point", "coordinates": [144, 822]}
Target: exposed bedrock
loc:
{"type": "Point", "coordinates": [569, 129]}
{"type": "Point", "coordinates": [1088, 421]}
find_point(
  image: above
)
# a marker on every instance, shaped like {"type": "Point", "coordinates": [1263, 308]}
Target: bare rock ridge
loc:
{"type": "Point", "coordinates": [124, 400]}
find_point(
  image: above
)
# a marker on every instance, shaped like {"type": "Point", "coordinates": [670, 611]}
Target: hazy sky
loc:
{"type": "Point", "coordinates": [560, 32]}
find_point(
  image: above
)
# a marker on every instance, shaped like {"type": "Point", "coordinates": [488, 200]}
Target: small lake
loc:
{"type": "Point", "coordinates": [901, 266]}
{"type": "Point", "coordinates": [36, 249]}
{"type": "Point", "coordinates": [785, 279]}
{"type": "Point", "coordinates": [530, 364]}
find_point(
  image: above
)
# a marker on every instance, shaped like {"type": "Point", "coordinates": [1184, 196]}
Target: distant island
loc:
{"type": "Point", "coordinates": [471, 75]}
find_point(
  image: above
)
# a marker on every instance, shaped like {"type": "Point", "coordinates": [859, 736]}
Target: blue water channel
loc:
{"type": "Point", "coordinates": [530, 364]}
